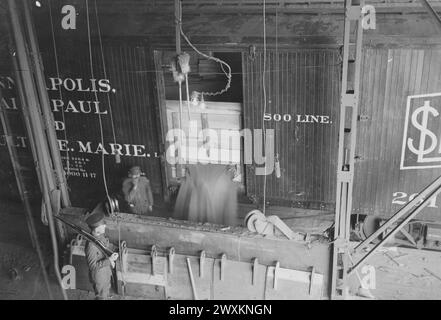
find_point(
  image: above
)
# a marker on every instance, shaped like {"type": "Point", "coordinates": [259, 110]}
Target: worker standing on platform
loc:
{"type": "Point", "coordinates": [137, 192]}
{"type": "Point", "coordinates": [100, 267]}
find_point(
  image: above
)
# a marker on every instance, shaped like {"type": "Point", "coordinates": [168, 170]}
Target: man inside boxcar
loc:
{"type": "Point", "coordinates": [100, 267]}
{"type": "Point", "coordinates": [137, 192]}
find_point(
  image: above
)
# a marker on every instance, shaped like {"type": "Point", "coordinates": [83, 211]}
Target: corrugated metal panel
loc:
{"type": "Point", "coordinates": [133, 113]}
{"type": "Point", "coordinates": [299, 83]}
{"type": "Point", "coordinates": [389, 77]}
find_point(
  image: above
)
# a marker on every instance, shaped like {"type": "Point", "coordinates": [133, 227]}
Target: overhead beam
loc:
{"type": "Point", "coordinates": [254, 7]}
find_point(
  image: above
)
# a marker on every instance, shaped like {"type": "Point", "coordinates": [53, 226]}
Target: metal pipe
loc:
{"type": "Point", "coordinates": [27, 121]}
{"type": "Point", "coordinates": [395, 230]}
{"type": "Point", "coordinates": [24, 195]}
{"type": "Point", "coordinates": [30, 94]}
{"type": "Point", "coordinates": [29, 98]}
{"type": "Point", "coordinates": [45, 105]}
{"type": "Point", "coordinates": [30, 103]}
{"type": "Point", "coordinates": [39, 170]}
{"type": "Point", "coordinates": [31, 140]}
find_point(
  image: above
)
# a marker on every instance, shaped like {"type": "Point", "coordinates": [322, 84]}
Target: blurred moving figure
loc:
{"type": "Point", "coordinates": [207, 194]}
{"type": "Point", "coordinates": [137, 192]}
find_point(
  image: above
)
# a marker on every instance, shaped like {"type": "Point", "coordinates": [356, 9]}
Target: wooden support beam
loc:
{"type": "Point", "coordinates": [346, 143]}
{"type": "Point", "coordinates": [36, 128]}
{"type": "Point", "coordinates": [403, 211]}
{"type": "Point", "coordinates": [255, 7]}
{"type": "Point", "coordinates": [395, 230]}
{"type": "Point", "coordinates": [178, 24]}
{"type": "Point", "coordinates": [45, 105]}
{"type": "Point", "coordinates": [23, 194]}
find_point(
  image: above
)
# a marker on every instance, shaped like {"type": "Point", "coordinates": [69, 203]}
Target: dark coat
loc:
{"type": "Point", "coordinates": [141, 197]}
{"type": "Point", "coordinates": [100, 271]}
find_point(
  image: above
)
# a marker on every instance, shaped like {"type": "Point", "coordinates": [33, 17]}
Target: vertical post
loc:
{"type": "Point", "coordinates": [30, 96]}
{"type": "Point", "coordinates": [26, 120]}
{"type": "Point", "coordinates": [23, 194]}
{"type": "Point", "coordinates": [346, 145]}
{"type": "Point", "coordinates": [178, 22]}
{"type": "Point", "coordinates": [30, 103]}
{"type": "Point", "coordinates": [32, 115]}
{"type": "Point", "coordinates": [45, 105]}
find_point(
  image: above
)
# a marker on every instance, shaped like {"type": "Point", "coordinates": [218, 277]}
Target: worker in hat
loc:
{"type": "Point", "coordinates": [100, 266]}
{"type": "Point", "coordinates": [137, 192]}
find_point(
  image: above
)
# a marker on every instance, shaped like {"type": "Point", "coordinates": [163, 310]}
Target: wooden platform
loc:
{"type": "Point", "coordinates": [238, 244]}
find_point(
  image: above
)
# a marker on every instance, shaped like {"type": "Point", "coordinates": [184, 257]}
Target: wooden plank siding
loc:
{"type": "Point", "coordinates": [307, 81]}
{"type": "Point", "coordinates": [299, 82]}
{"type": "Point", "coordinates": [389, 77]}
{"type": "Point", "coordinates": [132, 108]}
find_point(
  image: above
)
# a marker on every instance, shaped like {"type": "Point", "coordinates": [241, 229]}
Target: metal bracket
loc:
{"type": "Point", "coordinates": [341, 243]}
{"type": "Point", "coordinates": [276, 274]}
{"type": "Point", "coordinates": [254, 266]}
{"type": "Point", "coordinates": [171, 256]}
{"type": "Point", "coordinates": [223, 263]}
{"type": "Point", "coordinates": [348, 100]}
{"type": "Point", "coordinates": [153, 254]}
{"type": "Point", "coordinates": [344, 176]}
{"type": "Point", "coordinates": [201, 263]}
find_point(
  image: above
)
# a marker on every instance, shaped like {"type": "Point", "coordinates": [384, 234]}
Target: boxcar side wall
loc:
{"type": "Point", "coordinates": [10, 102]}
{"type": "Point", "coordinates": [401, 59]}
{"type": "Point", "coordinates": [398, 147]}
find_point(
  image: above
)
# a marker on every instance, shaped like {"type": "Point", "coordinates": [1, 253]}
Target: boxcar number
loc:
{"type": "Point", "coordinates": [401, 198]}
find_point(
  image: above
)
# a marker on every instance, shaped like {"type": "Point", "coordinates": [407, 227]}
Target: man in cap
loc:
{"type": "Point", "coordinates": [100, 267]}
{"type": "Point", "coordinates": [137, 192]}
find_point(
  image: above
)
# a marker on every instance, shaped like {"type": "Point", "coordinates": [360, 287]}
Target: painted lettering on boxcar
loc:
{"type": "Point", "coordinates": [421, 147]}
